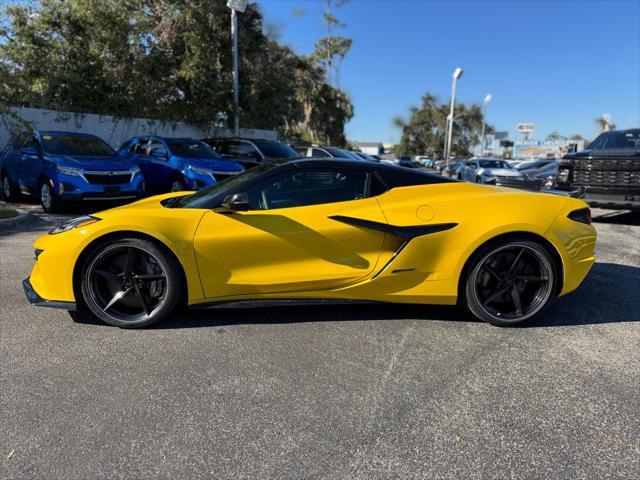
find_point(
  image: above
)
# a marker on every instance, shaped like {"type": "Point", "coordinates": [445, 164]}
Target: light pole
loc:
{"type": "Point", "coordinates": [487, 99]}
{"type": "Point", "coordinates": [235, 6]}
{"type": "Point", "coordinates": [457, 73]}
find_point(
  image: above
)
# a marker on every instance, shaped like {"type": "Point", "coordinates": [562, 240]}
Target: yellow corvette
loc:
{"type": "Point", "coordinates": [311, 229]}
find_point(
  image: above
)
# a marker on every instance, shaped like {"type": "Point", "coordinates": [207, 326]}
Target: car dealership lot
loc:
{"type": "Point", "coordinates": [329, 391]}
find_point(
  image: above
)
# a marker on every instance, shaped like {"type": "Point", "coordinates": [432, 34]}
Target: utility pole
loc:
{"type": "Point", "coordinates": [487, 99]}
{"type": "Point", "coordinates": [457, 73]}
{"type": "Point", "coordinates": [235, 6]}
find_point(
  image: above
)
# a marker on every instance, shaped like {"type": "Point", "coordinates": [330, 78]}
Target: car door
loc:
{"type": "Point", "coordinates": [469, 171]}
{"type": "Point", "coordinates": [29, 165]}
{"type": "Point", "coordinates": [160, 167]}
{"type": "Point", "coordinates": [287, 240]}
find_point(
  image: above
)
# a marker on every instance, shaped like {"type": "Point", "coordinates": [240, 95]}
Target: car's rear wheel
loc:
{"type": "Point", "coordinates": [177, 186]}
{"type": "Point", "coordinates": [9, 191]}
{"type": "Point", "coordinates": [510, 283]}
{"type": "Point", "coordinates": [131, 283]}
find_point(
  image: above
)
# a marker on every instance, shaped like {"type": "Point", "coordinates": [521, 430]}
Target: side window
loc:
{"type": "Point", "coordinates": [319, 153]}
{"type": "Point", "coordinates": [139, 147]}
{"type": "Point", "coordinates": [156, 147]}
{"type": "Point", "coordinates": [598, 143]}
{"type": "Point", "coordinates": [308, 187]}
{"type": "Point", "coordinates": [32, 142]}
{"type": "Point", "coordinates": [241, 149]}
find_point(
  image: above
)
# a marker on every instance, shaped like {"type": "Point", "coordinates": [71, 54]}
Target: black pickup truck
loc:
{"type": "Point", "coordinates": [607, 173]}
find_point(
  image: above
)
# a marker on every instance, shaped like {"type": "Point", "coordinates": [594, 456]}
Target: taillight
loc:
{"type": "Point", "coordinates": [583, 216]}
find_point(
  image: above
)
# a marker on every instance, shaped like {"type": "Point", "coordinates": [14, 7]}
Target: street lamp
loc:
{"type": "Point", "coordinates": [487, 99]}
{"type": "Point", "coordinates": [457, 73]}
{"type": "Point", "coordinates": [235, 6]}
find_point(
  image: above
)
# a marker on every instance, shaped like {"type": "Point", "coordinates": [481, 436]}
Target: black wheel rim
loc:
{"type": "Point", "coordinates": [513, 282]}
{"type": "Point", "coordinates": [127, 283]}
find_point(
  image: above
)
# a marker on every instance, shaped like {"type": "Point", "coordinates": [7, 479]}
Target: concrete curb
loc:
{"type": "Point", "coordinates": [23, 218]}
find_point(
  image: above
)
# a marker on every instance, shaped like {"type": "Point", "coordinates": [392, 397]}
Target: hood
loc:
{"type": "Point", "coordinates": [500, 172]}
{"type": "Point", "coordinates": [113, 162]}
{"type": "Point", "coordinates": [619, 152]}
{"type": "Point", "coordinates": [217, 165]}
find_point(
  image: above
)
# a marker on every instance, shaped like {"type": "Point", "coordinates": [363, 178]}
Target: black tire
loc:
{"type": "Point", "coordinates": [510, 282]}
{"type": "Point", "coordinates": [8, 190]}
{"type": "Point", "coordinates": [48, 197]}
{"type": "Point", "coordinates": [145, 278]}
{"type": "Point", "coordinates": [177, 186]}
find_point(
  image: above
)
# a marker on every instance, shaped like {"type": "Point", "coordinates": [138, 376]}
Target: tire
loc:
{"type": "Point", "coordinates": [48, 198]}
{"type": "Point", "coordinates": [131, 283]}
{"type": "Point", "coordinates": [177, 186]}
{"type": "Point", "coordinates": [478, 180]}
{"type": "Point", "coordinates": [8, 190]}
{"type": "Point", "coordinates": [510, 282]}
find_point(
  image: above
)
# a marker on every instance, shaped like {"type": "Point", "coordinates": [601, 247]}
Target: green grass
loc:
{"type": "Point", "coordinates": [7, 212]}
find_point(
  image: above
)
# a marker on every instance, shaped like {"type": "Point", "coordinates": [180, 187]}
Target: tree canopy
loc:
{"type": "Point", "coordinates": [163, 59]}
{"type": "Point", "coordinates": [424, 131]}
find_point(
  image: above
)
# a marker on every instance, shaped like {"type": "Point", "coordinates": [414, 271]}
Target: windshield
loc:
{"type": "Point", "coordinates": [203, 198]}
{"type": "Point", "coordinates": [192, 150]}
{"type": "Point", "coordinates": [69, 144]}
{"type": "Point", "coordinates": [494, 164]}
{"type": "Point", "coordinates": [275, 149]}
{"type": "Point", "coordinates": [622, 140]}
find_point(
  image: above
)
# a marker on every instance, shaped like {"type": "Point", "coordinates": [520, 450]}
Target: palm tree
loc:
{"type": "Point", "coordinates": [604, 122]}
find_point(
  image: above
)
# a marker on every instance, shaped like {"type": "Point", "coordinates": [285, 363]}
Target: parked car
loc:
{"type": "Point", "coordinates": [546, 177]}
{"type": "Point", "coordinates": [320, 229]}
{"type": "Point", "coordinates": [175, 164]}
{"type": "Point", "coordinates": [489, 170]}
{"type": "Point", "coordinates": [607, 173]}
{"type": "Point", "coordinates": [423, 161]}
{"type": "Point", "coordinates": [325, 151]}
{"type": "Point", "coordinates": [251, 152]}
{"type": "Point", "coordinates": [533, 169]}
{"type": "Point", "coordinates": [405, 161]}
{"type": "Point", "coordinates": [59, 167]}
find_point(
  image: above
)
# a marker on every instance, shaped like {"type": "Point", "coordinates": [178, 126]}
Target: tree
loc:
{"type": "Point", "coordinates": [424, 131]}
{"type": "Point", "coordinates": [331, 50]}
{"type": "Point", "coordinates": [554, 137]}
{"type": "Point", "coordinates": [162, 59]}
{"type": "Point", "coordinates": [604, 123]}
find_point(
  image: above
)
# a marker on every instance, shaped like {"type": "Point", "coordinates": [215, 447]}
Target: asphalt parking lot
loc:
{"type": "Point", "coordinates": [327, 391]}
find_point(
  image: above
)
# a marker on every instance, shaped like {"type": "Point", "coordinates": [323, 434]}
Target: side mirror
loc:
{"type": "Point", "coordinates": [237, 202]}
{"type": "Point", "coordinates": [29, 151]}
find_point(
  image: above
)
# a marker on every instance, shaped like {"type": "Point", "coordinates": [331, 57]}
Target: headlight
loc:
{"type": "Point", "coordinates": [549, 181]}
{"type": "Point", "coordinates": [199, 171]}
{"type": "Point", "coordinates": [563, 175]}
{"type": "Point", "coordinates": [69, 171]}
{"type": "Point", "coordinates": [75, 223]}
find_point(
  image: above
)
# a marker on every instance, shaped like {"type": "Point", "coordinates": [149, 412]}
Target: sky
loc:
{"type": "Point", "coordinates": [557, 64]}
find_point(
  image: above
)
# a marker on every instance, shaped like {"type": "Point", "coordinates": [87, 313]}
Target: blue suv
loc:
{"type": "Point", "coordinates": [175, 164]}
{"type": "Point", "coordinates": [59, 167]}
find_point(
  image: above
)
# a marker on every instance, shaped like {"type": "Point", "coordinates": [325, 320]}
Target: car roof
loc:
{"type": "Point", "coordinates": [64, 132]}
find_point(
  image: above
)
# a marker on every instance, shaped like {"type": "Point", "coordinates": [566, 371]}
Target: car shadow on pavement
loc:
{"type": "Point", "coordinates": [609, 294]}
{"type": "Point", "coordinates": [618, 217]}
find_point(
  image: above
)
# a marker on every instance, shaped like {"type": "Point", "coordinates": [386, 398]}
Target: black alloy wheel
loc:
{"type": "Point", "coordinates": [131, 283]}
{"type": "Point", "coordinates": [511, 283]}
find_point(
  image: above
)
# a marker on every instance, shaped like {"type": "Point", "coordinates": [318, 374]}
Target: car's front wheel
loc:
{"type": "Point", "coordinates": [510, 283]}
{"type": "Point", "coordinates": [131, 283]}
{"type": "Point", "coordinates": [48, 199]}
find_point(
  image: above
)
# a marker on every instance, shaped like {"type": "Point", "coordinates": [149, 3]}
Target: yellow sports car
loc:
{"type": "Point", "coordinates": [320, 229]}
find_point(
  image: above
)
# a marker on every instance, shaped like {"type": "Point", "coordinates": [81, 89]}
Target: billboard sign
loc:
{"type": "Point", "coordinates": [525, 127]}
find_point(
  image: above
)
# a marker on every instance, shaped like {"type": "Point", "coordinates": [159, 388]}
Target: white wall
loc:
{"type": "Point", "coordinates": [115, 130]}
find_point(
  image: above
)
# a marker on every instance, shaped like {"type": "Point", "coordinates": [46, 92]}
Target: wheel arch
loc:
{"type": "Point", "coordinates": [555, 255]}
{"type": "Point", "coordinates": [119, 235]}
